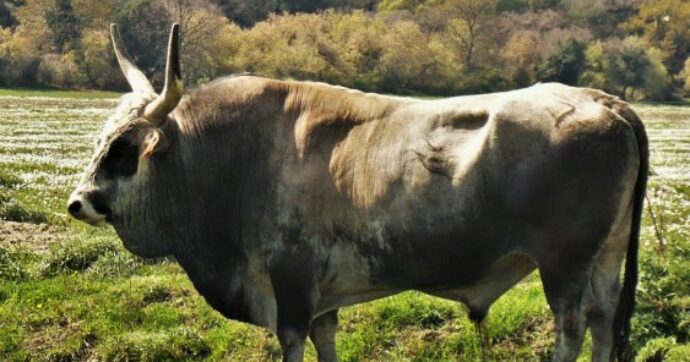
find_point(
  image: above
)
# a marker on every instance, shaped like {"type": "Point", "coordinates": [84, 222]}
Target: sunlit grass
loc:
{"type": "Point", "coordinates": [54, 93]}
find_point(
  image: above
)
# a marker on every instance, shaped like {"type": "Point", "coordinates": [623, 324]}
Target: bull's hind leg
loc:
{"type": "Point", "coordinates": [606, 289]}
{"type": "Point", "coordinates": [568, 293]}
{"type": "Point", "coordinates": [323, 335]}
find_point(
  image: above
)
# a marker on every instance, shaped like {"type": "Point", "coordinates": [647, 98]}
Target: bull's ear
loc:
{"type": "Point", "coordinates": [136, 79]}
{"type": "Point", "coordinates": [154, 141]}
{"type": "Point", "coordinates": [157, 110]}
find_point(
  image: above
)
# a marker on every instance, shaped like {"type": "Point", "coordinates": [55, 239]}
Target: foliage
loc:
{"type": "Point", "coordinates": [684, 76]}
{"type": "Point", "coordinates": [627, 68]}
{"type": "Point", "coordinates": [666, 25]}
{"type": "Point", "coordinates": [469, 27]}
{"type": "Point", "coordinates": [402, 46]}
{"type": "Point", "coordinates": [409, 5]}
{"type": "Point", "coordinates": [564, 66]}
{"type": "Point", "coordinates": [664, 298]}
{"type": "Point", "coordinates": [64, 24]}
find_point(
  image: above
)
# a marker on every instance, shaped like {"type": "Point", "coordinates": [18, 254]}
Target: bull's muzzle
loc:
{"type": "Point", "coordinates": [87, 207]}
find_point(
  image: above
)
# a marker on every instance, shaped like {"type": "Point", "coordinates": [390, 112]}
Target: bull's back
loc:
{"type": "Point", "coordinates": [437, 198]}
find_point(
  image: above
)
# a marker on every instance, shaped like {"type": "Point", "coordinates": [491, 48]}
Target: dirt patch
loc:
{"type": "Point", "coordinates": [31, 236]}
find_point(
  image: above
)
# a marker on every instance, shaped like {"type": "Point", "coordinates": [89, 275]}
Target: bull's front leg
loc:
{"type": "Point", "coordinates": [295, 310]}
{"type": "Point", "coordinates": [296, 293]}
{"type": "Point", "coordinates": [323, 335]}
{"type": "Point", "coordinates": [292, 343]}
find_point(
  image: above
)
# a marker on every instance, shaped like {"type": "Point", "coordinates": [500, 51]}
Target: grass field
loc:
{"type": "Point", "coordinates": [69, 292]}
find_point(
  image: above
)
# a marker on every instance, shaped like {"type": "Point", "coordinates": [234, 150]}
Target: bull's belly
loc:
{"type": "Point", "coordinates": [477, 291]}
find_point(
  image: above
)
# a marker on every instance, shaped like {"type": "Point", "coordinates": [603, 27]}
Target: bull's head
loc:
{"type": "Point", "coordinates": [116, 178]}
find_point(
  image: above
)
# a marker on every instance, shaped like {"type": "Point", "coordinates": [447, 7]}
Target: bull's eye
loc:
{"type": "Point", "coordinates": [122, 159]}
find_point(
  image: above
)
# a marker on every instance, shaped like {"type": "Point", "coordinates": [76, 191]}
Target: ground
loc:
{"type": "Point", "coordinates": [71, 292]}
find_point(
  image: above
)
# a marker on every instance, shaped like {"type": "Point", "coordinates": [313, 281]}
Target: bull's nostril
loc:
{"type": "Point", "coordinates": [74, 208]}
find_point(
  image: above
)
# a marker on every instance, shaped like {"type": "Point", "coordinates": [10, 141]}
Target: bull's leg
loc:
{"type": "Point", "coordinates": [323, 335]}
{"type": "Point", "coordinates": [569, 294]}
{"type": "Point", "coordinates": [606, 289]}
{"type": "Point", "coordinates": [292, 343]}
{"type": "Point", "coordinates": [296, 296]}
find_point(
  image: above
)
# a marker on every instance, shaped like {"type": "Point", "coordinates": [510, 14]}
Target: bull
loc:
{"type": "Point", "coordinates": [286, 200]}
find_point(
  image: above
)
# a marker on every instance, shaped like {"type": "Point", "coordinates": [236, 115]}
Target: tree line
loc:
{"type": "Point", "coordinates": [637, 49]}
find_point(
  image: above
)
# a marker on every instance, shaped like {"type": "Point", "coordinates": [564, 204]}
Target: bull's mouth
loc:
{"type": "Point", "coordinates": [103, 210]}
{"type": "Point", "coordinates": [101, 221]}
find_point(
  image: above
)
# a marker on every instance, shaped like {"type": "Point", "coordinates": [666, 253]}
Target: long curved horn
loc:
{"type": "Point", "coordinates": [157, 110]}
{"type": "Point", "coordinates": [136, 79]}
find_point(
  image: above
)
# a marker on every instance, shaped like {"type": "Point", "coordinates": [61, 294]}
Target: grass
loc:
{"type": "Point", "coordinates": [72, 293]}
{"type": "Point", "coordinates": [55, 93]}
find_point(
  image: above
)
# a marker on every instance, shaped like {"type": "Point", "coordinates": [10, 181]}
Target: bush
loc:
{"type": "Point", "coordinates": [60, 71]}
{"type": "Point", "coordinates": [678, 353]}
{"type": "Point", "coordinates": [663, 301]}
{"type": "Point", "coordinates": [655, 350]}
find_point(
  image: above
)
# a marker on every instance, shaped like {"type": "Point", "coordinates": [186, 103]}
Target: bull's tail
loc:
{"type": "Point", "coordinates": [626, 305]}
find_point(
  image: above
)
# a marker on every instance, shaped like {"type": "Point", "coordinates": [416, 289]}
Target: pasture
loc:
{"type": "Point", "coordinates": [71, 292]}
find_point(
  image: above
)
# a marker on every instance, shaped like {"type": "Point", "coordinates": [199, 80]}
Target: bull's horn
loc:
{"type": "Point", "coordinates": [157, 110]}
{"type": "Point", "coordinates": [136, 79]}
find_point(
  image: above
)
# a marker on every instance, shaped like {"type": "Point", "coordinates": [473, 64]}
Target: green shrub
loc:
{"type": "Point", "coordinates": [679, 353]}
{"type": "Point", "coordinates": [664, 268]}
{"type": "Point", "coordinates": [655, 350]}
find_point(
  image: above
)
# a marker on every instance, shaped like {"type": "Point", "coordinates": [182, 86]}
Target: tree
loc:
{"type": "Point", "coordinates": [470, 26]}
{"type": "Point", "coordinates": [6, 8]}
{"type": "Point", "coordinates": [144, 26]}
{"type": "Point", "coordinates": [65, 24]}
{"type": "Point", "coordinates": [665, 24]}
{"type": "Point", "coordinates": [565, 65]}
{"type": "Point", "coordinates": [409, 5]}
{"type": "Point", "coordinates": [684, 76]}
{"type": "Point", "coordinates": [595, 62]}
{"type": "Point", "coordinates": [519, 55]}
{"type": "Point", "coordinates": [246, 13]}
{"type": "Point", "coordinates": [627, 70]}
{"type": "Point", "coordinates": [405, 58]}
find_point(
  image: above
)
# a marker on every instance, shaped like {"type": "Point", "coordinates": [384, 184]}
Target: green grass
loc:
{"type": "Point", "coordinates": [85, 298]}
{"type": "Point", "coordinates": [54, 93]}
